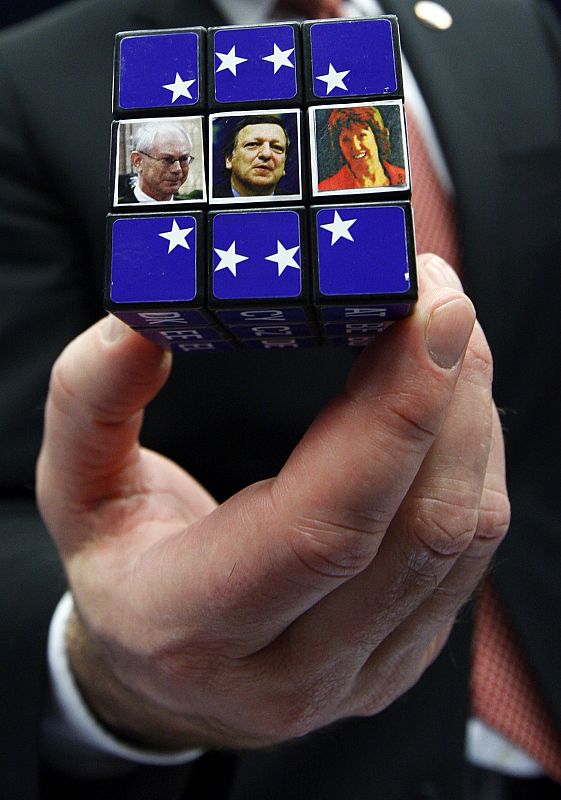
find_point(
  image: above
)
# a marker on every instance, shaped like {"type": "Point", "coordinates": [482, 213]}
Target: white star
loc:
{"type": "Point", "coordinates": [179, 87]}
{"type": "Point", "coordinates": [334, 79]}
{"type": "Point", "coordinates": [176, 237]}
{"type": "Point", "coordinates": [280, 58]}
{"type": "Point", "coordinates": [230, 61]}
{"type": "Point", "coordinates": [283, 257]}
{"type": "Point", "coordinates": [229, 259]}
{"type": "Point", "coordinates": [339, 228]}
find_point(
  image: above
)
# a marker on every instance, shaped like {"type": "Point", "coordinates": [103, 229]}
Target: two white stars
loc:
{"type": "Point", "coordinates": [229, 259]}
{"type": "Point", "coordinates": [339, 228]}
{"type": "Point", "coordinates": [279, 58]}
{"type": "Point", "coordinates": [177, 237]}
{"type": "Point", "coordinates": [179, 87]}
{"type": "Point", "coordinates": [334, 79]}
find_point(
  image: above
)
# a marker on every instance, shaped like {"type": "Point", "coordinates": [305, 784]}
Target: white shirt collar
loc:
{"type": "Point", "coordinates": [245, 12]}
{"type": "Point", "coordinates": [142, 197]}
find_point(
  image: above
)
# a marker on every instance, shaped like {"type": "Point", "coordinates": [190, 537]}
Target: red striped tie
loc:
{"type": "Point", "coordinates": [435, 216]}
{"type": "Point", "coordinates": [504, 690]}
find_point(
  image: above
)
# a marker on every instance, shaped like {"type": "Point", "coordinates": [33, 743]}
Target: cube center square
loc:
{"type": "Point", "coordinates": [260, 185]}
{"type": "Point", "coordinates": [256, 157]}
{"type": "Point", "coordinates": [257, 256]}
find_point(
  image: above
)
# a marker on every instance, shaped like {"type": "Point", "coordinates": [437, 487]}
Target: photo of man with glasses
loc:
{"type": "Point", "coordinates": [160, 157]}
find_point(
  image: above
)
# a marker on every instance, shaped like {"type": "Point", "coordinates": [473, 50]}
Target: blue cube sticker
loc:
{"type": "Point", "coordinates": [255, 64]}
{"type": "Point", "coordinates": [362, 250]}
{"type": "Point", "coordinates": [159, 70]}
{"type": "Point", "coordinates": [153, 259]}
{"type": "Point", "coordinates": [256, 255]}
{"type": "Point", "coordinates": [352, 58]}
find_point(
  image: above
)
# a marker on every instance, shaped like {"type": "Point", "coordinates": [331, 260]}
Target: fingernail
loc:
{"type": "Point", "coordinates": [448, 331]}
{"type": "Point", "coordinates": [113, 329]}
{"type": "Point", "coordinates": [442, 273]}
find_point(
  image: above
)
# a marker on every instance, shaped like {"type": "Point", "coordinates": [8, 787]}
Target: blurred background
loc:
{"type": "Point", "coordinates": [14, 12]}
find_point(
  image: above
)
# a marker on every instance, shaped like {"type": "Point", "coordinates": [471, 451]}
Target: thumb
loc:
{"type": "Point", "coordinates": [99, 387]}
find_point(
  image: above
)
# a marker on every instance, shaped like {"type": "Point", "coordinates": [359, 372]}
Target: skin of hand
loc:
{"type": "Point", "coordinates": [319, 594]}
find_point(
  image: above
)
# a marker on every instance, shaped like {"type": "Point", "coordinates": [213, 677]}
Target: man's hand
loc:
{"type": "Point", "coordinates": [319, 594]}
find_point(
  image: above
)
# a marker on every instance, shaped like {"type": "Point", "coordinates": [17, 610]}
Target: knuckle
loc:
{"type": "Point", "coordinates": [61, 395]}
{"type": "Point", "coordinates": [301, 693]}
{"type": "Point", "coordinates": [384, 687]}
{"type": "Point", "coordinates": [305, 709]}
{"type": "Point", "coordinates": [67, 397]}
{"type": "Point", "coordinates": [494, 516]}
{"type": "Point", "coordinates": [338, 547]}
{"type": "Point", "coordinates": [445, 528]}
{"type": "Point", "coordinates": [410, 416]}
{"type": "Point", "coordinates": [375, 703]}
{"type": "Point", "coordinates": [387, 679]}
{"type": "Point", "coordinates": [292, 722]}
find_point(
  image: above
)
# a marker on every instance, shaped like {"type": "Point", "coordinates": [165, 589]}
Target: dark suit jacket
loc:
{"type": "Point", "coordinates": [224, 189]}
{"type": "Point", "coordinates": [493, 86]}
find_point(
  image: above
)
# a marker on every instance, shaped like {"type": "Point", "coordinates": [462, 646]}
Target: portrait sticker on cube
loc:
{"type": "Point", "coordinates": [255, 157]}
{"type": "Point", "coordinates": [354, 58]}
{"type": "Point", "coordinates": [158, 71]}
{"type": "Point", "coordinates": [364, 252]}
{"type": "Point", "coordinates": [159, 161]}
{"type": "Point", "coordinates": [256, 258]}
{"type": "Point", "coordinates": [257, 64]}
{"type": "Point", "coordinates": [359, 149]}
{"type": "Point", "coordinates": [154, 263]}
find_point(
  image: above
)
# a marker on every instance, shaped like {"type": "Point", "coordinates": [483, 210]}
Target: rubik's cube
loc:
{"type": "Point", "coordinates": [260, 186]}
